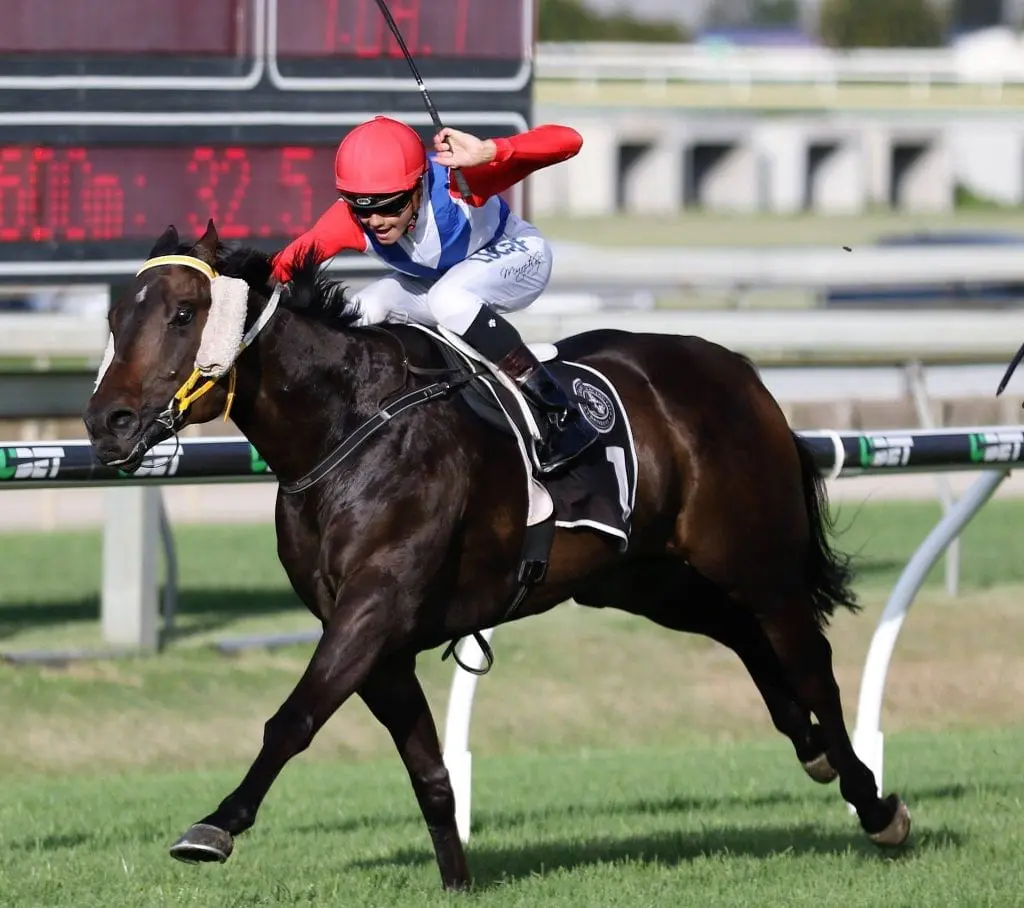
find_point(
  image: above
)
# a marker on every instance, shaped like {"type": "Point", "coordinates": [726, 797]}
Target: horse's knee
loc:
{"type": "Point", "coordinates": [289, 728]}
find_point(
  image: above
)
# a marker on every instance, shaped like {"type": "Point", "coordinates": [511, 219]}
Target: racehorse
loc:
{"type": "Point", "coordinates": [414, 540]}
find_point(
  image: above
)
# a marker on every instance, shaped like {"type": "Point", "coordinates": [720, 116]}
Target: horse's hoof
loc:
{"type": "Point", "coordinates": [458, 886]}
{"type": "Point", "coordinates": [820, 769]}
{"type": "Point", "coordinates": [203, 843]}
{"type": "Point", "coordinates": [895, 834]}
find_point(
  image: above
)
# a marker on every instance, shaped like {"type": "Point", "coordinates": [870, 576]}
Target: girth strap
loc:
{"type": "Point", "coordinates": [533, 567]}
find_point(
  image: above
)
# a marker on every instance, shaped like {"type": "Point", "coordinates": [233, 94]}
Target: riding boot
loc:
{"type": "Point", "coordinates": [565, 432]}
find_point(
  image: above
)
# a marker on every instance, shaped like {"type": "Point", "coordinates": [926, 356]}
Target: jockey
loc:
{"type": "Point", "coordinates": [455, 261]}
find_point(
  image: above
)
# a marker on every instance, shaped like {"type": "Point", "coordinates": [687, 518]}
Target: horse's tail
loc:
{"type": "Point", "coordinates": [829, 572]}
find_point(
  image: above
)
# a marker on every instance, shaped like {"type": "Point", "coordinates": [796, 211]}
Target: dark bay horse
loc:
{"type": "Point", "coordinates": [414, 541]}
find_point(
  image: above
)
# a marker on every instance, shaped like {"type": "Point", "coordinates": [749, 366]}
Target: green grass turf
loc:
{"type": "Point", "coordinates": [615, 763]}
{"type": "Point", "coordinates": [723, 825]}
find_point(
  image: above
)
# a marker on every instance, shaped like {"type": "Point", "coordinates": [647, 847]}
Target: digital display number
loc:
{"type": "Point", "coordinates": [73, 194]}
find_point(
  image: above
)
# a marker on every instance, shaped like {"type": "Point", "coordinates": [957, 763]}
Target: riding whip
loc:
{"type": "Point", "coordinates": [1017, 357]}
{"type": "Point", "coordinates": [431, 109]}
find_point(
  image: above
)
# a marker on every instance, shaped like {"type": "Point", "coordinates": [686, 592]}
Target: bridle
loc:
{"type": "Point", "coordinates": [188, 393]}
{"type": "Point", "coordinates": [173, 415]}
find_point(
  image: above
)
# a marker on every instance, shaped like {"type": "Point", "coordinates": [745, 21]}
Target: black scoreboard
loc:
{"type": "Point", "coordinates": [118, 117]}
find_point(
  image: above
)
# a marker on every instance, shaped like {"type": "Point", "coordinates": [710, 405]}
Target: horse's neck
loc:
{"type": "Point", "coordinates": [302, 386]}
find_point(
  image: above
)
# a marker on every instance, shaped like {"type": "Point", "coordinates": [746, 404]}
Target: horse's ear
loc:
{"type": "Point", "coordinates": [206, 247]}
{"type": "Point", "coordinates": [167, 243]}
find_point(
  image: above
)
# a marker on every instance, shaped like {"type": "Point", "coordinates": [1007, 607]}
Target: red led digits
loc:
{"type": "Point", "coordinates": [357, 27]}
{"type": "Point", "coordinates": [67, 187]}
{"type": "Point", "coordinates": [203, 167]}
{"type": "Point", "coordinates": [297, 214]}
{"type": "Point", "coordinates": [406, 14]}
{"type": "Point", "coordinates": [368, 40]}
{"type": "Point", "coordinates": [115, 192]}
{"type": "Point", "coordinates": [103, 207]}
{"type": "Point", "coordinates": [54, 195]}
{"type": "Point", "coordinates": [461, 26]}
{"type": "Point", "coordinates": [49, 185]}
{"type": "Point", "coordinates": [222, 178]}
{"type": "Point", "coordinates": [15, 193]}
{"type": "Point", "coordinates": [442, 31]}
{"type": "Point", "coordinates": [236, 171]}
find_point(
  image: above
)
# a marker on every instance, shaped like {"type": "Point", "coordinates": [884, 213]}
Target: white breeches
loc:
{"type": "Point", "coordinates": [508, 275]}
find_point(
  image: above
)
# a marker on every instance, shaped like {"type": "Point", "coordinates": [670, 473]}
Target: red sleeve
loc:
{"type": "Point", "coordinates": [518, 156]}
{"type": "Point", "coordinates": [335, 231]}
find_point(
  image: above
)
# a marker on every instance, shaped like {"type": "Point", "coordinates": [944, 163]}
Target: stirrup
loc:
{"type": "Point", "coordinates": [575, 431]}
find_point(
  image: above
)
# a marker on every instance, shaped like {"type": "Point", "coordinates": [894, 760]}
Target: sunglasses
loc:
{"type": "Point", "coordinates": [386, 206]}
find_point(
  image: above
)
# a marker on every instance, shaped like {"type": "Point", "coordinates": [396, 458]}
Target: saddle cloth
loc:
{"type": "Point", "coordinates": [596, 490]}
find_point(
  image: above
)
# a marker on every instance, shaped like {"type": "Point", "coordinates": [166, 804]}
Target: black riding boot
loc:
{"type": "Point", "coordinates": [566, 432]}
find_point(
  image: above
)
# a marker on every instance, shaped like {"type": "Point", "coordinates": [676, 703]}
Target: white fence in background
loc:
{"type": "Point", "coordinates": [998, 63]}
{"type": "Point", "coordinates": [585, 276]}
{"type": "Point", "coordinates": [777, 335]}
{"type": "Point", "coordinates": [579, 265]}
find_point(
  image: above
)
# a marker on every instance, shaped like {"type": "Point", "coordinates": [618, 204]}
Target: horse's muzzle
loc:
{"type": "Point", "coordinates": [120, 436]}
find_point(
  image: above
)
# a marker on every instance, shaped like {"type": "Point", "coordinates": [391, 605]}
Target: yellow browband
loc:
{"type": "Point", "coordinates": [187, 261]}
{"type": "Point", "coordinates": [185, 396]}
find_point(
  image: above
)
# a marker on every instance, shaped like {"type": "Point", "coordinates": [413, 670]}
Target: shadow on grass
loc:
{"type": "Point", "coordinates": [486, 820]}
{"type": "Point", "coordinates": [494, 865]}
{"type": "Point", "coordinates": [198, 610]}
{"type": "Point", "coordinates": [504, 820]}
{"type": "Point", "coordinates": [151, 830]}
{"type": "Point", "coordinates": [58, 842]}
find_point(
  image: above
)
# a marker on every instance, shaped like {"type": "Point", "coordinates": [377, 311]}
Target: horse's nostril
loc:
{"type": "Point", "coordinates": [122, 421]}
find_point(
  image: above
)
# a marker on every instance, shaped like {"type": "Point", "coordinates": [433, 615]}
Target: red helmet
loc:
{"type": "Point", "coordinates": [379, 157]}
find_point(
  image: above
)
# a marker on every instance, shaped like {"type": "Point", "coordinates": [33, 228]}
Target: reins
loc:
{"type": "Point", "coordinates": [367, 429]}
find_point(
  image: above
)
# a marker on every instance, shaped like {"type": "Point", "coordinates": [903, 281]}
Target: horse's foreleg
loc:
{"type": "Point", "coordinates": [394, 696]}
{"type": "Point", "coordinates": [344, 656]}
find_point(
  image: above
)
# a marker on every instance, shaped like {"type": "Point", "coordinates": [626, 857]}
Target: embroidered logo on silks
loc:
{"type": "Point", "coordinates": [595, 405]}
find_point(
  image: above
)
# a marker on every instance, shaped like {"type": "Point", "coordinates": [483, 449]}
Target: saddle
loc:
{"type": "Point", "coordinates": [595, 491]}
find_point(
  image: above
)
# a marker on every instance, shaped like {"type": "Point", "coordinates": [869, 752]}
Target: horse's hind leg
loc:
{"type": "Point", "coordinates": [719, 618]}
{"type": "Point", "coordinates": [394, 696]}
{"type": "Point", "coordinates": [672, 594]}
{"type": "Point", "coordinates": [806, 654]}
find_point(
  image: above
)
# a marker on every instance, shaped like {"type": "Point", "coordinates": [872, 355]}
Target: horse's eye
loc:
{"type": "Point", "coordinates": [183, 316]}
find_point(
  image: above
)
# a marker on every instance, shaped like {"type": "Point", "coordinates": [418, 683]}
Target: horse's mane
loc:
{"type": "Point", "coordinates": [312, 292]}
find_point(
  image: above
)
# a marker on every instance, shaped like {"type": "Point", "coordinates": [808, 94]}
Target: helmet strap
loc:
{"type": "Point", "coordinates": [411, 226]}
